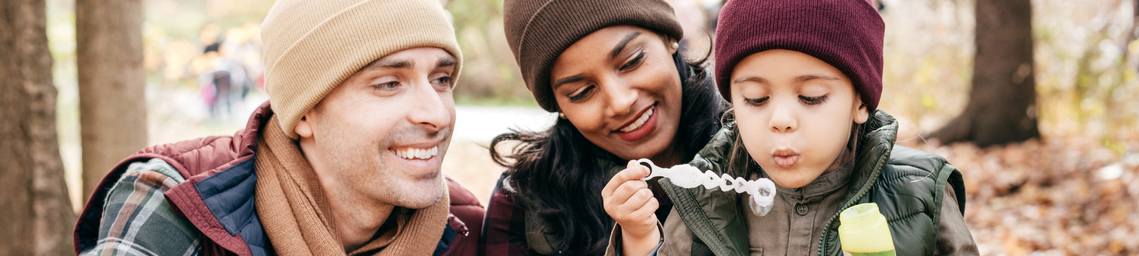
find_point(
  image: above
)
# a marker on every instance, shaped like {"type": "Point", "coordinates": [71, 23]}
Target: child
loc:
{"type": "Point", "coordinates": [804, 77]}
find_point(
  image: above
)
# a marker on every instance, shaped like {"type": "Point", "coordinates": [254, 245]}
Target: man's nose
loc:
{"type": "Point", "coordinates": [430, 108]}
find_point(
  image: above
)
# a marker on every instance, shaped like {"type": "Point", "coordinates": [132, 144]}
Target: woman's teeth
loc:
{"type": "Point", "coordinates": [417, 153]}
{"type": "Point", "coordinates": [640, 121]}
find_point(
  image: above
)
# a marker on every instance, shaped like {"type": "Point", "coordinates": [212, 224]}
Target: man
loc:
{"type": "Point", "coordinates": [344, 159]}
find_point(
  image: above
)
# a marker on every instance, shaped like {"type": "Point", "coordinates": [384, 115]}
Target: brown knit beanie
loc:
{"type": "Point", "coordinates": [538, 31]}
{"type": "Point", "coordinates": [312, 46]}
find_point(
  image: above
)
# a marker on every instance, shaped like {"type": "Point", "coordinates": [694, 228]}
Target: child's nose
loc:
{"type": "Point", "coordinates": [782, 121]}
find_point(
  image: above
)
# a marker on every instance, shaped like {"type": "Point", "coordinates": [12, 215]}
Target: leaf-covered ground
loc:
{"type": "Point", "coordinates": [1060, 195]}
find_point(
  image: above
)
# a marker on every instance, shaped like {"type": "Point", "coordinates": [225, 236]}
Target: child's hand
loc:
{"type": "Point", "coordinates": [630, 202]}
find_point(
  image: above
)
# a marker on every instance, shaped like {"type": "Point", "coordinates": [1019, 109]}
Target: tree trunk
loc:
{"type": "Point", "coordinates": [112, 102]}
{"type": "Point", "coordinates": [1002, 105]}
{"type": "Point", "coordinates": [36, 212]}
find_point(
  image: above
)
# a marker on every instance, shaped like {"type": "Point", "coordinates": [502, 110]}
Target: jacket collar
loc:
{"type": "Point", "coordinates": [219, 199]}
{"type": "Point", "coordinates": [874, 148]}
{"type": "Point", "coordinates": [874, 152]}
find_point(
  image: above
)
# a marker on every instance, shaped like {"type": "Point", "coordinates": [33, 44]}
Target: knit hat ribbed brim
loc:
{"type": "Point", "coordinates": [847, 34]}
{"type": "Point", "coordinates": [312, 46]}
{"type": "Point", "coordinates": [538, 31]}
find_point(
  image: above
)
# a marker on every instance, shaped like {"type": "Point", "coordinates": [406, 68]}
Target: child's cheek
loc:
{"type": "Point", "coordinates": [753, 140]}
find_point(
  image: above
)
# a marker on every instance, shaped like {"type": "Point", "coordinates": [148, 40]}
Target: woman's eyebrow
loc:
{"type": "Point", "coordinates": [621, 46]}
{"type": "Point", "coordinates": [566, 80]}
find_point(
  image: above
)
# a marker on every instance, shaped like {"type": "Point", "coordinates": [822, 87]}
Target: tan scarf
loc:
{"type": "Point", "coordinates": [297, 218]}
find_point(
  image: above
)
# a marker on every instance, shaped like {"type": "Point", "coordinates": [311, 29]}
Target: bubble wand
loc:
{"type": "Point", "coordinates": [761, 191]}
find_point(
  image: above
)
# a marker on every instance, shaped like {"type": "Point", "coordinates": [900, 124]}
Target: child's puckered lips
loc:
{"type": "Point", "coordinates": [785, 157]}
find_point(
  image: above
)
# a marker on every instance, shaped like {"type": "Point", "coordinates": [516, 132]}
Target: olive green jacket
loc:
{"type": "Point", "coordinates": [908, 185]}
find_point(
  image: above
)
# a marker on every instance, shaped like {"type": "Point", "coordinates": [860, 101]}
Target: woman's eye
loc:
{"type": "Point", "coordinates": [581, 94]}
{"type": "Point", "coordinates": [636, 61]}
{"type": "Point", "coordinates": [387, 86]}
{"type": "Point", "coordinates": [756, 102]}
{"type": "Point", "coordinates": [813, 100]}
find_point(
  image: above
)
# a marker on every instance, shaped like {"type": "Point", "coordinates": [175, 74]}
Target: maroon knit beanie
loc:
{"type": "Point", "coordinates": [538, 31]}
{"type": "Point", "coordinates": [847, 34]}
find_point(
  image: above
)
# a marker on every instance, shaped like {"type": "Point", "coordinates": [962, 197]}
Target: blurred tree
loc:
{"type": "Point", "coordinates": [112, 100]}
{"type": "Point", "coordinates": [37, 214]}
{"type": "Point", "coordinates": [1002, 103]}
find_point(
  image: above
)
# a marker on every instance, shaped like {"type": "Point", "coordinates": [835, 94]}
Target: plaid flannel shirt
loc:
{"type": "Point", "coordinates": [504, 230]}
{"type": "Point", "coordinates": [137, 219]}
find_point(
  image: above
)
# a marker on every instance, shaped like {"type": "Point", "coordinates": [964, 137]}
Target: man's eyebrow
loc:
{"type": "Point", "coordinates": [624, 41]}
{"type": "Point", "coordinates": [391, 64]}
{"type": "Point", "coordinates": [566, 80]}
{"type": "Point", "coordinates": [448, 61]}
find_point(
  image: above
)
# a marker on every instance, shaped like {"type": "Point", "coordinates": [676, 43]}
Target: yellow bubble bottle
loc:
{"type": "Point", "coordinates": [864, 231]}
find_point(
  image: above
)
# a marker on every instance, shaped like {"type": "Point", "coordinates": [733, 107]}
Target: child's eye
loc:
{"type": "Point", "coordinates": [581, 94]}
{"type": "Point", "coordinates": [756, 102]}
{"type": "Point", "coordinates": [813, 100]}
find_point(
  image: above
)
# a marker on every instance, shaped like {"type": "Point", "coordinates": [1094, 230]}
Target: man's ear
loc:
{"type": "Point", "coordinates": [861, 113]}
{"type": "Point", "coordinates": [303, 128]}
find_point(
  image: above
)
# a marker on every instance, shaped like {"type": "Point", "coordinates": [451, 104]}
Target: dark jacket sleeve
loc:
{"type": "Point", "coordinates": [953, 237]}
{"type": "Point", "coordinates": [467, 209]}
{"type": "Point", "coordinates": [504, 228]}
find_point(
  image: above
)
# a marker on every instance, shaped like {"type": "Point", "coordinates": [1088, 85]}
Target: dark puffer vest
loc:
{"type": "Point", "coordinates": [907, 184]}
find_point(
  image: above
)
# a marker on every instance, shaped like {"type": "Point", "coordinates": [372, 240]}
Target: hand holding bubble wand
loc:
{"type": "Point", "coordinates": [761, 191]}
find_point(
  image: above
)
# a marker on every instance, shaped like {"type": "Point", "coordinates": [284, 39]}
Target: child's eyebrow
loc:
{"type": "Point", "coordinates": [804, 78]}
{"type": "Point", "coordinates": [755, 79]}
{"type": "Point", "coordinates": [798, 79]}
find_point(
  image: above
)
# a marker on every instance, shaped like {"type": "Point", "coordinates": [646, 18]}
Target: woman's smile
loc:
{"type": "Point", "coordinates": [639, 128]}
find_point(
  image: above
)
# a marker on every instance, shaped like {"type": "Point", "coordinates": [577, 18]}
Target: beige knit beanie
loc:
{"type": "Point", "coordinates": [312, 46]}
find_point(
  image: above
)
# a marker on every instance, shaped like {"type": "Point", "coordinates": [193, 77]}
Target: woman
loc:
{"type": "Point", "coordinates": [613, 72]}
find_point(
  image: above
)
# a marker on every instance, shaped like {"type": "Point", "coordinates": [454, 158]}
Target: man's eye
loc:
{"type": "Point", "coordinates": [387, 86]}
{"type": "Point", "coordinates": [446, 80]}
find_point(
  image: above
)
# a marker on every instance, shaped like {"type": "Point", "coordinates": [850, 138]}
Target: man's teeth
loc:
{"type": "Point", "coordinates": [417, 153]}
{"type": "Point", "coordinates": [640, 121]}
